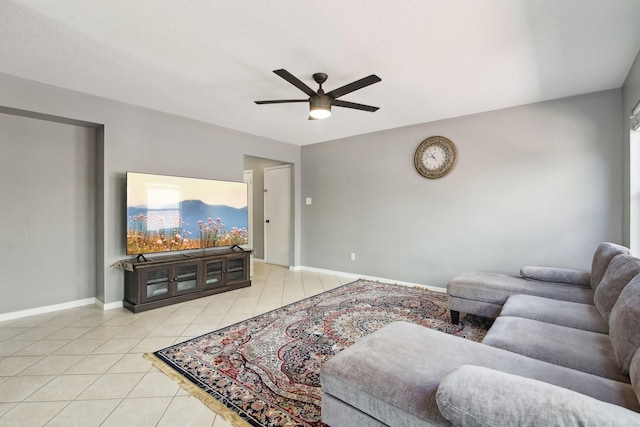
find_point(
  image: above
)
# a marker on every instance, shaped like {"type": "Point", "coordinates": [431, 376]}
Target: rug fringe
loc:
{"type": "Point", "coordinates": [213, 404]}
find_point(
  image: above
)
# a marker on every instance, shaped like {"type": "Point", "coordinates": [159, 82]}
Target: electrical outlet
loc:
{"type": "Point", "coordinates": [353, 256]}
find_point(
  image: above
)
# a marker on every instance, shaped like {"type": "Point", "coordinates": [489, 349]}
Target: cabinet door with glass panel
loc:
{"type": "Point", "coordinates": [168, 280]}
{"type": "Point", "coordinates": [185, 278]}
{"type": "Point", "coordinates": [156, 283]}
{"type": "Point", "coordinates": [213, 273]}
{"type": "Point", "coordinates": [236, 269]}
{"type": "Point", "coordinates": [225, 271]}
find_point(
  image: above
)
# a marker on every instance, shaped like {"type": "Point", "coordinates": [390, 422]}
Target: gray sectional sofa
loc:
{"type": "Point", "coordinates": [485, 293]}
{"type": "Point", "coordinates": [547, 360]}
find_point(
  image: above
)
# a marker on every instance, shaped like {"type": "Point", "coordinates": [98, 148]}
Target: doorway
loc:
{"type": "Point", "coordinates": [258, 165]}
{"type": "Point", "coordinates": [277, 214]}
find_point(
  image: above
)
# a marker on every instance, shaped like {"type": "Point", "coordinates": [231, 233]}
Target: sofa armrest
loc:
{"type": "Point", "coordinates": [557, 275]}
{"type": "Point", "coordinates": [478, 396]}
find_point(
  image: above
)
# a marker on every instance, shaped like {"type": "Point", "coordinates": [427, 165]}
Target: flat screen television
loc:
{"type": "Point", "coordinates": [170, 213]}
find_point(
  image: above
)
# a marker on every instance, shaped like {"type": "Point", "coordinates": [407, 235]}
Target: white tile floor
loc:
{"type": "Point", "coordinates": [84, 366]}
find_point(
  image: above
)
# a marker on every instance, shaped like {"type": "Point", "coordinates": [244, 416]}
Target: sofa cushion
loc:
{"type": "Point", "coordinates": [605, 252]}
{"type": "Point", "coordinates": [621, 270]}
{"type": "Point", "coordinates": [624, 324]}
{"type": "Point", "coordinates": [573, 348]}
{"type": "Point", "coordinates": [393, 374]}
{"type": "Point", "coordinates": [557, 275]}
{"type": "Point", "coordinates": [476, 396]}
{"type": "Point", "coordinates": [563, 313]}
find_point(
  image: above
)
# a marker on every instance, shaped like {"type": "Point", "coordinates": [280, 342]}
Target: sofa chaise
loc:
{"type": "Point", "coordinates": [545, 361]}
{"type": "Point", "coordinates": [484, 293]}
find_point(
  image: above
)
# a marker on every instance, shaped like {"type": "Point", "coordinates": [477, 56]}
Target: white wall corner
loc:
{"type": "Point", "coordinates": [109, 306]}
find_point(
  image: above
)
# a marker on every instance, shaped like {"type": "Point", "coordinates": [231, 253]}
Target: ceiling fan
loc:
{"type": "Point", "coordinates": [320, 102]}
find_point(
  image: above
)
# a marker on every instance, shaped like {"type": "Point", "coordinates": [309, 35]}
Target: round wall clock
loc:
{"type": "Point", "coordinates": [435, 157]}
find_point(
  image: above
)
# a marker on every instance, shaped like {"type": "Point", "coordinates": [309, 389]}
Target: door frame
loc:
{"type": "Point", "coordinates": [291, 201]}
{"type": "Point", "coordinates": [247, 177]}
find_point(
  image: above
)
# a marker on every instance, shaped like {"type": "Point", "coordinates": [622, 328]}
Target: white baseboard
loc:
{"type": "Point", "coordinates": [109, 306]}
{"type": "Point", "coordinates": [362, 276]}
{"type": "Point", "coordinates": [258, 260]}
{"type": "Point", "coordinates": [47, 309]}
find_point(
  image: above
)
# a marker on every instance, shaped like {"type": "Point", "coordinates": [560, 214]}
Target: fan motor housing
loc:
{"type": "Point", "coordinates": [320, 101]}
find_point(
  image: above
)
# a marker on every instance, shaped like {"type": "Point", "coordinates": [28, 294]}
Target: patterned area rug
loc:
{"type": "Point", "coordinates": [265, 371]}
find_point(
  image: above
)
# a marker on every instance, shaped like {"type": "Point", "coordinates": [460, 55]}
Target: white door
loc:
{"type": "Point", "coordinates": [277, 215]}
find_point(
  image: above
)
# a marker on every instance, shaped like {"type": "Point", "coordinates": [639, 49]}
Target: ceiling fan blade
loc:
{"type": "Point", "coordinates": [358, 84]}
{"type": "Point", "coordinates": [295, 81]}
{"type": "Point", "coordinates": [346, 104]}
{"type": "Point", "coordinates": [281, 101]}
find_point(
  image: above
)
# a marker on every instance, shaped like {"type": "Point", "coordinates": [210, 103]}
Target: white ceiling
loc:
{"type": "Point", "coordinates": [210, 59]}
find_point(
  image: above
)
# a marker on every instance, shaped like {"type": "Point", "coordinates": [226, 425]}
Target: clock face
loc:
{"type": "Point", "coordinates": [435, 157]}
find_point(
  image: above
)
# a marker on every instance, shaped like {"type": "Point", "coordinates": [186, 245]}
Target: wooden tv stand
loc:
{"type": "Point", "coordinates": [170, 279]}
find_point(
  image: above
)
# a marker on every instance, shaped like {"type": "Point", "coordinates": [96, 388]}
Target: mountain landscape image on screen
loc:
{"type": "Point", "coordinates": [191, 224]}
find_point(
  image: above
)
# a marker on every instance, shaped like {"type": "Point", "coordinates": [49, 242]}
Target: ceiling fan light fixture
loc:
{"type": "Point", "coordinates": [320, 103]}
{"type": "Point", "coordinates": [320, 107]}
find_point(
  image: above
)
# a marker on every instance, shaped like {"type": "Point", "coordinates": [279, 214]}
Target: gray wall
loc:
{"type": "Point", "coordinates": [630, 97]}
{"type": "Point", "coordinates": [257, 165]}
{"type": "Point", "coordinates": [138, 139]}
{"type": "Point", "coordinates": [48, 213]}
{"type": "Point", "coordinates": [538, 184]}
